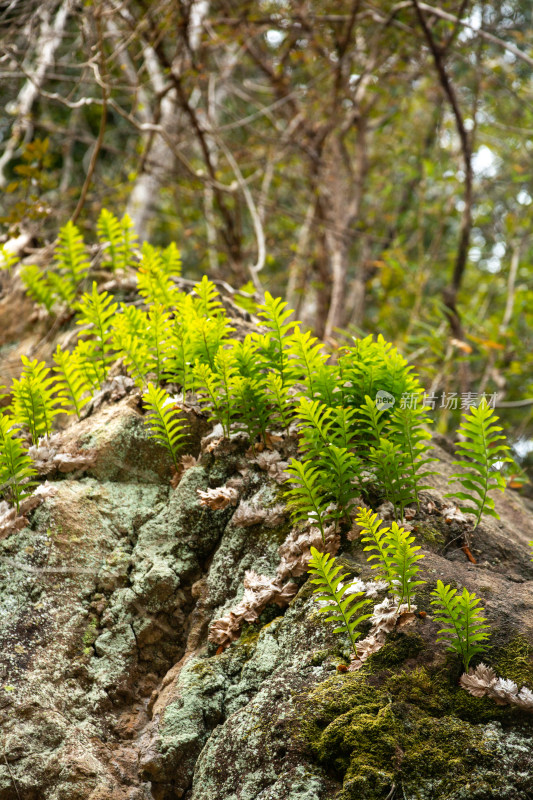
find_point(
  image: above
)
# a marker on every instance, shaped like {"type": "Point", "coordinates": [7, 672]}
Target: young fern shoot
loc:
{"type": "Point", "coordinates": [16, 470]}
{"type": "Point", "coordinates": [465, 629]}
{"type": "Point", "coordinates": [335, 596]}
{"type": "Point", "coordinates": [162, 421]}
{"type": "Point", "coordinates": [305, 499]}
{"type": "Point", "coordinates": [483, 446]}
{"type": "Point", "coordinates": [407, 431]}
{"type": "Point", "coordinates": [396, 555]}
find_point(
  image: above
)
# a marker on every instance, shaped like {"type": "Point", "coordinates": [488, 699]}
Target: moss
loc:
{"type": "Point", "coordinates": [415, 729]}
{"type": "Point", "coordinates": [515, 662]}
{"type": "Point", "coordinates": [429, 534]}
{"type": "Point", "coordinates": [90, 635]}
{"type": "Point", "coordinates": [397, 649]}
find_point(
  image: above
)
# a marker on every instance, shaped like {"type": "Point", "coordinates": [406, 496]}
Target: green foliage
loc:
{"type": "Point", "coordinates": [72, 263]}
{"type": "Point", "coordinates": [155, 275]}
{"type": "Point", "coordinates": [482, 446]}
{"type": "Point", "coordinates": [37, 286]}
{"type": "Point", "coordinates": [392, 474]}
{"type": "Point", "coordinates": [71, 385]}
{"type": "Point", "coordinates": [370, 366]}
{"type": "Point", "coordinates": [373, 420]}
{"type": "Point", "coordinates": [274, 315]}
{"type": "Point", "coordinates": [250, 397]}
{"type": "Point", "coordinates": [16, 471]}
{"type": "Point", "coordinates": [118, 240]}
{"type": "Point", "coordinates": [162, 421]}
{"type": "Point", "coordinates": [97, 312]}
{"type": "Point", "coordinates": [394, 551]}
{"type": "Point", "coordinates": [36, 402]}
{"type": "Point", "coordinates": [129, 337]}
{"type": "Point", "coordinates": [335, 597]}
{"type": "Point", "coordinates": [407, 431]}
{"type": "Point", "coordinates": [308, 358]}
{"type": "Point", "coordinates": [305, 499]}
{"type": "Point", "coordinates": [465, 629]}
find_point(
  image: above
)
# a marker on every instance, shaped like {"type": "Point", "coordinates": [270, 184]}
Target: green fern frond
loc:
{"type": "Point", "coordinates": [207, 335]}
{"type": "Point", "coordinates": [306, 499]}
{"type": "Point", "coordinates": [317, 422]}
{"type": "Point", "coordinates": [483, 447]}
{"type": "Point", "coordinates": [392, 474]}
{"type": "Point", "coordinates": [282, 403]}
{"type": "Point", "coordinates": [341, 472]}
{"type": "Point", "coordinates": [336, 597]}
{"type": "Point", "coordinates": [129, 338]}
{"type": "Point", "coordinates": [35, 399]}
{"type": "Point", "coordinates": [373, 420]}
{"type": "Point", "coordinates": [38, 286]}
{"type": "Point", "coordinates": [207, 303]}
{"type": "Point", "coordinates": [308, 358]}
{"type": "Point", "coordinates": [216, 387]}
{"type": "Point", "coordinates": [97, 311]}
{"type": "Point", "coordinates": [162, 421]}
{"type": "Point", "coordinates": [405, 556]}
{"type": "Point", "coordinates": [375, 533]}
{"type": "Point", "coordinates": [274, 314]}
{"type": "Point", "coordinates": [407, 431]}
{"type": "Point", "coordinates": [465, 630]}
{"type": "Point", "coordinates": [86, 351]}
{"type": "Point", "coordinates": [117, 238]}
{"type": "Point", "coordinates": [16, 470]}
{"type": "Point", "coordinates": [71, 383]}
{"type": "Point", "coordinates": [395, 554]}
{"type": "Point", "coordinates": [249, 395]}
{"type": "Point", "coordinates": [155, 278]}
{"type": "Point", "coordinates": [171, 260]}
{"type": "Point", "coordinates": [72, 261]}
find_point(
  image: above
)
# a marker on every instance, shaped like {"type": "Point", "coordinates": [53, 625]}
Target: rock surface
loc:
{"type": "Point", "coordinates": [111, 690]}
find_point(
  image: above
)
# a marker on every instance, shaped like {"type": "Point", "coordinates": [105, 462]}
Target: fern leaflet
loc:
{"type": "Point", "coordinates": [465, 629]}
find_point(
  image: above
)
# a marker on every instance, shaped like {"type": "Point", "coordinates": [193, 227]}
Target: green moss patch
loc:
{"type": "Point", "coordinates": [416, 729]}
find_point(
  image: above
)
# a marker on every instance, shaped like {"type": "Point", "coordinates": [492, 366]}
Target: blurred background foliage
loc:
{"type": "Point", "coordinates": [369, 161]}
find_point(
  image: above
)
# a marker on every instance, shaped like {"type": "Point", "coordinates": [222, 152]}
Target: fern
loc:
{"type": "Point", "coordinates": [162, 421]}
{"type": "Point", "coordinates": [16, 470]}
{"type": "Point", "coordinates": [405, 556]}
{"type": "Point", "coordinates": [117, 238]}
{"type": "Point", "coordinates": [392, 474]}
{"type": "Point", "coordinates": [216, 387]}
{"type": "Point", "coordinates": [179, 367]}
{"type": "Point", "coordinates": [336, 597]}
{"type": "Point", "coordinates": [406, 431]}
{"type": "Point", "coordinates": [374, 533]}
{"type": "Point", "coordinates": [394, 551]}
{"type": "Point", "coordinates": [159, 342]}
{"type": "Point", "coordinates": [129, 338]}
{"type": "Point", "coordinates": [35, 399]}
{"type": "Point", "coordinates": [274, 315]}
{"type": "Point", "coordinates": [250, 397]}
{"type": "Point", "coordinates": [97, 311]}
{"type": "Point", "coordinates": [38, 286]}
{"type": "Point", "coordinates": [373, 420]}
{"type": "Point", "coordinates": [207, 303]}
{"type": "Point", "coordinates": [72, 262]}
{"type": "Point", "coordinates": [86, 351]}
{"type": "Point", "coordinates": [308, 358]}
{"type": "Point", "coordinates": [317, 419]}
{"type": "Point", "coordinates": [206, 335]}
{"type": "Point", "coordinates": [282, 403]}
{"type": "Point", "coordinates": [154, 278]}
{"type": "Point", "coordinates": [340, 471]}
{"type": "Point", "coordinates": [72, 386]}
{"type": "Point", "coordinates": [465, 629]}
{"type": "Point", "coordinates": [483, 446]}
{"type": "Point", "coordinates": [306, 499]}
{"type": "Point", "coordinates": [171, 260]}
